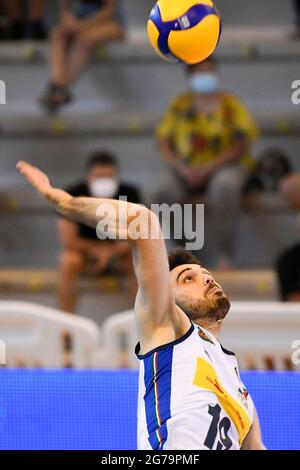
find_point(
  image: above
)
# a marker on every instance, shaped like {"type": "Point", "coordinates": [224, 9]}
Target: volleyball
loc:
{"type": "Point", "coordinates": [184, 30]}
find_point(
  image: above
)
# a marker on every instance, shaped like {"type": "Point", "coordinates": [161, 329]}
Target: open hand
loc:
{"type": "Point", "coordinates": [40, 181]}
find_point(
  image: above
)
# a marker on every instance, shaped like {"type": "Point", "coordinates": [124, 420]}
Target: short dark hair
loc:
{"type": "Point", "coordinates": [101, 157]}
{"type": "Point", "coordinates": [181, 256]}
{"type": "Point", "coordinates": [190, 68]}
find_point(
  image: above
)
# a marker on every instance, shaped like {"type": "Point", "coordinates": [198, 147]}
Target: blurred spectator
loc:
{"type": "Point", "coordinates": [21, 26]}
{"type": "Point", "coordinates": [205, 138]}
{"type": "Point", "coordinates": [82, 251]}
{"type": "Point", "coordinates": [269, 171]}
{"type": "Point", "coordinates": [290, 188]}
{"type": "Point", "coordinates": [288, 265]}
{"type": "Point", "coordinates": [83, 25]}
{"type": "Point", "coordinates": [297, 12]}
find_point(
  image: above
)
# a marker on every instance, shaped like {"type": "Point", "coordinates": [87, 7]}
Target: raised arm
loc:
{"type": "Point", "coordinates": [157, 315]}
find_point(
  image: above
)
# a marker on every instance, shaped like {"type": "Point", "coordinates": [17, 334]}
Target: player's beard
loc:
{"type": "Point", "coordinates": [211, 309]}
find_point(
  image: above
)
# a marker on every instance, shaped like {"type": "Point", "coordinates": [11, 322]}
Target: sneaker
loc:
{"type": "Point", "coordinates": [55, 98]}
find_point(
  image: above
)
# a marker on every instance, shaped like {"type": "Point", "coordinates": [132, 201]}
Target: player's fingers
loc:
{"type": "Point", "coordinates": [24, 166]}
{"type": "Point", "coordinates": [25, 169]}
{"type": "Point", "coordinates": [32, 173]}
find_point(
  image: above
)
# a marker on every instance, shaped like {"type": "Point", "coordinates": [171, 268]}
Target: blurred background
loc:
{"type": "Point", "coordinates": [87, 99]}
{"type": "Point", "coordinates": [89, 102]}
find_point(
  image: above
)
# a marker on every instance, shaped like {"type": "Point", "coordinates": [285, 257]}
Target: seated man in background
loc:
{"type": "Point", "coordinates": [82, 251]}
{"type": "Point", "coordinates": [205, 138]}
{"type": "Point", "coordinates": [20, 26]}
{"type": "Point", "coordinates": [84, 24]}
{"type": "Point", "coordinates": [288, 265]}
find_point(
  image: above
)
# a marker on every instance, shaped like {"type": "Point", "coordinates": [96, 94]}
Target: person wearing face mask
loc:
{"type": "Point", "coordinates": [82, 251]}
{"type": "Point", "coordinates": [205, 139]}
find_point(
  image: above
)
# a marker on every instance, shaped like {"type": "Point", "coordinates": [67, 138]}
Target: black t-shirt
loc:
{"type": "Point", "coordinates": [99, 3]}
{"type": "Point", "coordinates": [81, 189]}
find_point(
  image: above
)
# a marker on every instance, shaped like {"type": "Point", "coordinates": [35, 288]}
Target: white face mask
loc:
{"type": "Point", "coordinates": [104, 187]}
{"type": "Point", "coordinates": [204, 82]}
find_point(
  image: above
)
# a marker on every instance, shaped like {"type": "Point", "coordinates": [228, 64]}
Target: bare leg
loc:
{"type": "Point", "coordinates": [224, 199]}
{"type": "Point", "coordinates": [84, 44]}
{"type": "Point", "coordinates": [72, 264]}
{"type": "Point", "coordinates": [69, 55]}
{"type": "Point", "coordinates": [59, 45]}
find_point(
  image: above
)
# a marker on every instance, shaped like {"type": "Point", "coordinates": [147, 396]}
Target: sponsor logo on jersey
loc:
{"type": "Point", "coordinates": [243, 396]}
{"type": "Point", "coordinates": [207, 378]}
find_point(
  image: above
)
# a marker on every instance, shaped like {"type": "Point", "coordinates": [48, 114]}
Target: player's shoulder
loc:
{"type": "Point", "coordinates": [167, 347]}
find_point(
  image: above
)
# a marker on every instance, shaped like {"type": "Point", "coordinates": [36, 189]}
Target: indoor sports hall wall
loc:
{"type": "Point", "coordinates": [97, 409]}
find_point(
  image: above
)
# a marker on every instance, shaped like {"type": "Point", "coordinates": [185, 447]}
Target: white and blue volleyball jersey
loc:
{"type": "Point", "coordinates": [191, 396]}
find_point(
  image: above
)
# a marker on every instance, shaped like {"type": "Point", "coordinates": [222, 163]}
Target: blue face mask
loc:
{"type": "Point", "coordinates": [204, 82]}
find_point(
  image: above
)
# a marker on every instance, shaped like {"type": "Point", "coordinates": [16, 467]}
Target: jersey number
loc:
{"type": "Point", "coordinates": [218, 427]}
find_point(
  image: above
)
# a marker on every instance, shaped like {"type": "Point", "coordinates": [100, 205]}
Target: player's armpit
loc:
{"type": "Point", "coordinates": [155, 305]}
{"type": "Point", "coordinates": [253, 440]}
